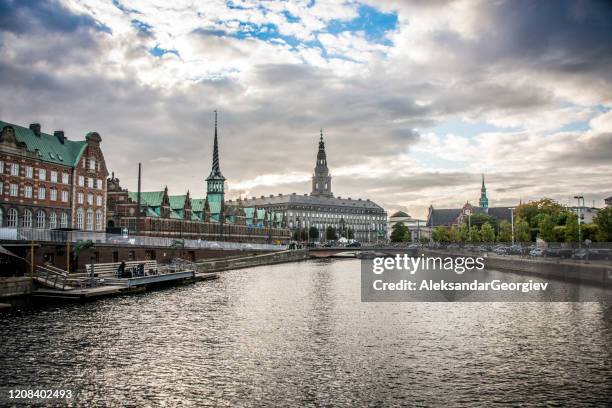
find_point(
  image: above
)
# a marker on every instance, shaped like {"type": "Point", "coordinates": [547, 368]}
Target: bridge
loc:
{"type": "Point", "coordinates": [358, 252]}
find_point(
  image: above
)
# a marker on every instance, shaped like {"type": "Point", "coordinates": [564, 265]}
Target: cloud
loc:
{"type": "Point", "coordinates": [380, 77]}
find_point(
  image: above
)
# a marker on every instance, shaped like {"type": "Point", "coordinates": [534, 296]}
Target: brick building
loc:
{"type": "Point", "coordinates": [49, 182]}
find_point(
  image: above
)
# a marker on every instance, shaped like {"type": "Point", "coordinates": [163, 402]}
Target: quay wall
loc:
{"type": "Point", "coordinates": [15, 286]}
{"type": "Point", "coordinates": [599, 273]}
{"type": "Point", "coordinates": [219, 265]}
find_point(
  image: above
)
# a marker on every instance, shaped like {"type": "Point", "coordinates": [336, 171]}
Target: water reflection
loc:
{"type": "Point", "coordinates": [297, 334]}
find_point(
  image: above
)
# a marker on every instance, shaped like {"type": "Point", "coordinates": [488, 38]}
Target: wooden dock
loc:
{"type": "Point", "coordinates": [78, 294]}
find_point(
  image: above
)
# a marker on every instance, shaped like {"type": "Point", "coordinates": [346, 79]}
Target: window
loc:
{"type": "Point", "coordinates": [14, 190]}
{"type": "Point", "coordinates": [79, 218]}
{"type": "Point", "coordinates": [29, 172]}
{"type": "Point", "coordinates": [80, 198]}
{"type": "Point", "coordinates": [14, 169]}
{"type": "Point", "coordinates": [99, 184]}
{"type": "Point", "coordinates": [99, 201]}
{"type": "Point", "coordinates": [90, 199]}
{"type": "Point", "coordinates": [11, 218]}
{"type": "Point", "coordinates": [54, 176]}
{"type": "Point", "coordinates": [90, 217]}
{"type": "Point", "coordinates": [1, 166]}
{"type": "Point", "coordinates": [65, 178]}
{"type": "Point", "coordinates": [99, 220]}
{"type": "Point", "coordinates": [26, 221]}
{"type": "Point", "coordinates": [81, 181]}
{"type": "Point", "coordinates": [42, 174]}
{"type": "Point", "coordinates": [1, 188]}
{"type": "Point", "coordinates": [64, 220]}
{"type": "Point", "coordinates": [52, 220]}
{"type": "Point", "coordinates": [27, 191]}
{"type": "Point", "coordinates": [53, 194]}
{"type": "Point", "coordinates": [40, 219]}
{"type": "Point", "coordinates": [64, 196]}
{"type": "Point", "coordinates": [90, 182]}
{"type": "Point", "coordinates": [1, 216]}
{"type": "Point", "coordinates": [92, 164]}
{"type": "Point", "coordinates": [42, 192]}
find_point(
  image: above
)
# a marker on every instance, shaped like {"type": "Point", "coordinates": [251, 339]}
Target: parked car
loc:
{"type": "Point", "coordinates": [580, 254]}
{"type": "Point", "coordinates": [536, 252]}
{"type": "Point", "coordinates": [354, 244]}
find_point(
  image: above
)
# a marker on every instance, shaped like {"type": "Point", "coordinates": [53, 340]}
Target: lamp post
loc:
{"type": "Point", "coordinates": [512, 222]}
{"type": "Point", "coordinates": [578, 198]}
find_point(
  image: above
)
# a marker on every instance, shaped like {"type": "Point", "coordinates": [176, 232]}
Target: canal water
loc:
{"type": "Point", "coordinates": [298, 335]}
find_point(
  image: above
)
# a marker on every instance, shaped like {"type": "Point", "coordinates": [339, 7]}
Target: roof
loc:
{"type": "Point", "coordinates": [177, 202]}
{"type": "Point", "coordinates": [444, 216]}
{"type": "Point", "coordinates": [151, 198]}
{"type": "Point", "coordinates": [49, 147]}
{"type": "Point", "coordinates": [297, 199]}
{"type": "Point", "coordinates": [399, 214]}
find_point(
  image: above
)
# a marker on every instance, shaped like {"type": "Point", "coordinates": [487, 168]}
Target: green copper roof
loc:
{"type": "Point", "coordinates": [197, 204]}
{"type": "Point", "coordinates": [151, 198]}
{"type": "Point", "coordinates": [50, 149]}
{"type": "Point", "coordinates": [177, 202]}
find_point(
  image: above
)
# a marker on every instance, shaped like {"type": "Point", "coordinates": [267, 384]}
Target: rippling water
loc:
{"type": "Point", "coordinates": [298, 335]}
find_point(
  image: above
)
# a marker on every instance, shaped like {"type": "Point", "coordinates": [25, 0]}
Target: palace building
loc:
{"type": "Point", "coordinates": [159, 214]}
{"type": "Point", "coordinates": [49, 182]}
{"type": "Point", "coordinates": [360, 219]}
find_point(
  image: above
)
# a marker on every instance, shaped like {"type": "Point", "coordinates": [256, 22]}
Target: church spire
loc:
{"type": "Point", "coordinates": [215, 173]}
{"type": "Point", "coordinates": [321, 180]}
{"type": "Point", "coordinates": [484, 200]}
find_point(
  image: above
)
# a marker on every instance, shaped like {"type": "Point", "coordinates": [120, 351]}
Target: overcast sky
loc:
{"type": "Point", "coordinates": [416, 98]}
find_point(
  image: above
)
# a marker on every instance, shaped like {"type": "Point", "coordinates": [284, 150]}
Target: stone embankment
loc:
{"type": "Point", "coordinates": [219, 265]}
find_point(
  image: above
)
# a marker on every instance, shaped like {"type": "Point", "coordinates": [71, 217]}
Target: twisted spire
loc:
{"type": "Point", "coordinates": [216, 170]}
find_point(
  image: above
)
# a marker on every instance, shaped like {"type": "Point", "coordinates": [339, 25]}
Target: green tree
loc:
{"type": "Point", "coordinates": [478, 220]}
{"type": "Point", "coordinates": [464, 233]}
{"type": "Point", "coordinates": [487, 233]}
{"type": "Point", "coordinates": [546, 226]}
{"type": "Point", "coordinates": [590, 232]}
{"type": "Point", "coordinates": [398, 231]}
{"type": "Point", "coordinates": [559, 233]}
{"type": "Point", "coordinates": [571, 229]}
{"type": "Point", "coordinates": [440, 234]}
{"type": "Point", "coordinates": [530, 210]}
{"type": "Point", "coordinates": [330, 234]}
{"type": "Point", "coordinates": [454, 235]}
{"type": "Point", "coordinates": [474, 234]}
{"type": "Point", "coordinates": [407, 236]}
{"type": "Point", "coordinates": [522, 231]}
{"type": "Point", "coordinates": [505, 232]}
{"type": "Point", "coordinates": [603, 220]}
{"type": "Point", "coordinates": [313, 232]}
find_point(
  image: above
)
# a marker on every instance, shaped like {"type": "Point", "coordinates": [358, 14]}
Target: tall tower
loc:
{"type": "Point", "coordinates": [484, 201]}
{"type": "Point", "coordinates": [321, 179]}
{"type": "Point", "coordinates": [215, 183]}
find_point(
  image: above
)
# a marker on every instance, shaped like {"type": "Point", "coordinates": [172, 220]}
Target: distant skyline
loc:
{"type": "Point", "coordinates": [416, 99]}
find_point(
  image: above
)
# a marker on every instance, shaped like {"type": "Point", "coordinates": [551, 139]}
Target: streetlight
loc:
{"type": "Point", "coordinates": [578, 215]}
{"type": "Point", "coordinates": [512, 222]}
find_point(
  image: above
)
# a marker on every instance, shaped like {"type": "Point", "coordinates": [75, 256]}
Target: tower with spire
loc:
{"type": "Point", "coordinates": [321, 179]}
{"type": "Point", "coordinates": [215, 183]}
{"type": "Point", "coordinates": [484, 201]}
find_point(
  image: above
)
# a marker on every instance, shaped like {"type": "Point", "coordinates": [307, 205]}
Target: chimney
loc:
{"type": "Point", "coordinates": [35, 127]}
{"type": "Point", "coordinates": [60, 136]}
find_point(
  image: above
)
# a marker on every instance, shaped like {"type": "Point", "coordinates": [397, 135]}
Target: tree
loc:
{"type": "Point", "coordinates": [398, 231]}
{"type": "Point", "coordinates": [603, 220]}
{"type": "Point", "coordinates": [407, 236]}
{"type": "Point", "coordinates": [505, 232]}
{"type": "Point", "coordinates": [474, 234]}
{"type": "Point", "coordinates": [530, 210]}
{"type": "Point", "coordinates": [487, 233]}
{"type": "Point", "coordinates": [522, 231]}
{"type": "Point", "coordinates": [590, 232]}
{"type": "Point", "coordinates": [478, 220]}
{"type": "Point", "coordinates": [454, 235]}
{"type": "Point", "coordinates": [571, 229]}
{"type": "Point", "coordinates": [313, 232]}
{"type": "Point", "coordinates": [546, 227]}
{"type": "Point", "coordinates": [350, 233]}
{"type": "Point", "coordinates": [440, 234]}
{"type": "Point", "coordinates": [559, 233]}
{"type": "Point", "coordinates": [330, 234]}
{"type": "Point", "coordinates": [464, 233]}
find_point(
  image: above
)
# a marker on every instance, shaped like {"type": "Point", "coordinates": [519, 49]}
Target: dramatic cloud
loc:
{"type": "Point", "coordinates": [416, 98]}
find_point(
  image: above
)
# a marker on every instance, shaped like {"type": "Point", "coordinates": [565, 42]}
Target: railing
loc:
{"type": "Point", "coordinates": [56, 278]}
{"type": "Point", "coordinates": [44, 235]}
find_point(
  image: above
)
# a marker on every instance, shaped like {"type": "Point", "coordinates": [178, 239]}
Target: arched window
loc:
{"type": "Point", "coordinates": [11, 218]}
{"type": "Point", "coordinates": [90, 216]}
{"type": "Point", "coordinates": [64, 220]}
{"type": "Point", "coordinates": [40, 219]}
{"type": "Point", "coordinates": [1, 215]}
{"type": "Point", "coordinates": [99, 220]}
{"type": "Point", "coordinates": [52, 220]}
{"type": "Point", "coordinates": [26, 220]}
{"type": "Point", "coordinates": [79, 218]}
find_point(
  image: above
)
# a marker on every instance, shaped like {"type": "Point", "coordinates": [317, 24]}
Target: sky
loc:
{"type": "Point", "coordinates": [416, 99]}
